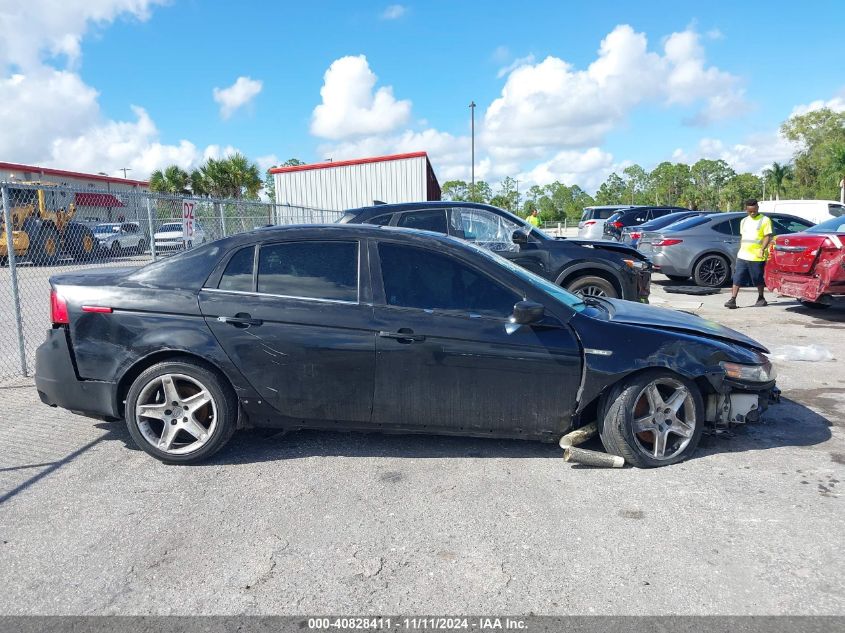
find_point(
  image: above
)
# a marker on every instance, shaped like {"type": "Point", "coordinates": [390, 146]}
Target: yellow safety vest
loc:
{"type": "Point", "coordinates": [533, 221]}
{"type": "Point", "coordinates": [752, 230]}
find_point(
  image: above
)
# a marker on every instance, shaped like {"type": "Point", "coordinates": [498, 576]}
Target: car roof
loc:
{"type": "Point", "coordinates": [364, 213]}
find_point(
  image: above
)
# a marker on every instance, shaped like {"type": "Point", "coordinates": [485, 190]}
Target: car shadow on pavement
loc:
{"type": "Point", "coordinates": [788, 424]}
{"type": "Point", "coordinates": [833, 314]}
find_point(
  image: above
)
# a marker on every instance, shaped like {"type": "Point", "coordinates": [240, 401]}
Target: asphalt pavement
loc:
{"type": "Point", "coordinates": [319, 522]}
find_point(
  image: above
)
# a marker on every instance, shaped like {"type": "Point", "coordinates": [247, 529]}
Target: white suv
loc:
{"type": "Point", "coordinates": [120, 237]}
{"type": "Point", "coordinates": [169, 236]}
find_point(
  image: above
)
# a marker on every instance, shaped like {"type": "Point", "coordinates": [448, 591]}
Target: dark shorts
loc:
{"type": "Point", "coordinates": [749, 273]}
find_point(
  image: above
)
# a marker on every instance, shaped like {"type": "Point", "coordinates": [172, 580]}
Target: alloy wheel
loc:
{"type": "Point", "coordinates": [713, 271]}
{"type": "Point", "coordinates": [591, 291]}
{"type": "Point", "coordinates": [664, 419]}
{"type": "Point", "coordinates": [176, 414]}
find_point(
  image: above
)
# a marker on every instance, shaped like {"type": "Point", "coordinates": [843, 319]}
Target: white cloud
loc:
{"type": "Point", "coordinates": [351, 108]}
{"type": "Point", "coordinates": [236, 96]}
{"type": "Point", "coordinates": [753, 154]}
{"type": "Point", "coordinates": [34, 28]}
{"type": "Point", "coordinates": [394, 12]}
{"type": "Point", "coordinates": [552, 105]}
{"type": "Point", "coordinates": [517, 63]}
{"type": "Point", "coordinates": [837, 104]}
{"type": "Point", "coordinates": [588, 169]}
{"type": "Point", "coordinates": [266, 162]}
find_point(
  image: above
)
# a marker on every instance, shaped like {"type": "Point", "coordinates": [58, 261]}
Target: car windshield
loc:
{"type": "Point", "coordinates": [170, 227]}
{"type": "Point", "coordinates": [833, 225]}
{"type": "Point", "coordinates": [564, 296]}
{"type": "Point", "coordinates": [105, 229]}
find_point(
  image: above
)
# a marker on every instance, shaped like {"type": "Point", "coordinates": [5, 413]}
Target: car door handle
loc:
{"type": "Point", "coordinates": [404, 335]}
{"type": "Point", "coordinates": [240, 319]}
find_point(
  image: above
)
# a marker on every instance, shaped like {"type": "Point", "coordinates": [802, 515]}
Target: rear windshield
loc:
{"type": "Point", "coordinates": [690, 222]}
{"type": "Point", "coordinates": [187, 270]}
{"type": "Point", "coordinates": [833, 225]}
{"type": "Point", "coordinates": [666, 220]}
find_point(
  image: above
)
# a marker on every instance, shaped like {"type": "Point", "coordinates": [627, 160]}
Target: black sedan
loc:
{"type": "Point", "coordinates": [381, 329]}
{"type": "Point", "coordinates": [597, 268]}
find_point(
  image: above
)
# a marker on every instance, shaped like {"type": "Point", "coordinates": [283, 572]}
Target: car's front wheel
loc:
{"type": "Point", "coordinates": [592, 286]}
{"type": "Point", "coordinates": [180, 412]}
{"type": "Point", "coordinates": [653, 419]}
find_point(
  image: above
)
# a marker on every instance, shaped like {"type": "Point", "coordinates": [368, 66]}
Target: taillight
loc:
{"type": "Point", "coordinates": [58, 309]}
{"type": "Point", "coordinates": [618, 225]}
{"type": "Point", "coordinates": [666, 242]}
{"type": "Point", "coordinates": [636, 236]}
{"type": "Point", "coordinates": [589, 222]}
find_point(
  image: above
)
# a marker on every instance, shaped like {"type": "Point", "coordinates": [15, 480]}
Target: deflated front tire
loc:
{"type": "Point", "coordinates": [653, 419]}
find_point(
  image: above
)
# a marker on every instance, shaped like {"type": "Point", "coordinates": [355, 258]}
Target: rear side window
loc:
{"type": "Point", "coordinates": [238, 273]}
{"type": "Point", "coordinates": [836, 210]}
{"type": "Point", "coordinates": [728, 227]}
{"type": "Point", "coordinates": [433, 220]}
{"type": "Point", "coordinates": [782, 225]}
{"type": "Point", "coordinates": [312, 270]}
{"type": "Point", "coordinates": [602, 214]}
{"type": "Point", "coordinates": [380, 220]}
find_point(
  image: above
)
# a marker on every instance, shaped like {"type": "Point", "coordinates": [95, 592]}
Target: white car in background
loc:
{"type": "Point", "coordinates": [815, 211]}
{"type": "Point", "coordinates": [169, 237]}
{"type": "Point", "coordinates": [120, 237]}
{"type": "Point", "coordinates": [591, 224]}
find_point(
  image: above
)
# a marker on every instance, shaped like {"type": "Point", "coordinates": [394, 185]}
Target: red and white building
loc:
{"type": "Point", "coordinates": [98, 198]}
{"type": "Point", "coordinates": [347, 184]}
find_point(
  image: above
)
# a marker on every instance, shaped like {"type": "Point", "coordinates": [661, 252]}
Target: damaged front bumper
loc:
{"type": "Point", "coordinates": [737, 402]}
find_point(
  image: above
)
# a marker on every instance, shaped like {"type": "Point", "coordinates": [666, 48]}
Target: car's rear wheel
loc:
{"type": "Point", "coordinates": [180, 412]}
{"type": "Point", "coordinates": [592, 286]}
{"type": "Point", "coordinates": [712, 271]}
{"type": "Point", "coordinates": [678, 277]}
{"type": "Point", "coordinates": [653, 419]}
{"type": "Point", "coordinates": [142, 246]}
{"type": "Point", "coordinates": [115, 248]}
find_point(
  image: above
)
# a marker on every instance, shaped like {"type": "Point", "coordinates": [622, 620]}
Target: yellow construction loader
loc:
{"type": "Point", "coordinates": [43, 230]}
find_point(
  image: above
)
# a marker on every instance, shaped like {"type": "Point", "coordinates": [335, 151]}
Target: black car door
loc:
{"type": "Point", "coordinates": [295, 318]}
{"type": "Point", "coordinates": [449, 361]}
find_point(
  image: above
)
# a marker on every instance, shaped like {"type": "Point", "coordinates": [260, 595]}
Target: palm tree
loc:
{"type": "Point", "coordinates": [776, 175]}
{"type": "Point", "coordinates": [232, 177]}
{"type": "Point", "coordinates": [173, 180]}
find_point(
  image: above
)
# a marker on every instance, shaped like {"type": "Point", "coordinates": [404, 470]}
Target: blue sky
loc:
{"type": "Point", "coordinates": [740, 68]}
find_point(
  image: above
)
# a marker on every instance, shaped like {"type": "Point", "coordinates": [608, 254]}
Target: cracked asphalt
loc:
{"type": "Point", "coordinates": [361, 524]}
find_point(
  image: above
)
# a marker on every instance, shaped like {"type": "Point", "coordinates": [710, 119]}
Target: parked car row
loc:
{"type": "Point", "coordinates": [120, 238]}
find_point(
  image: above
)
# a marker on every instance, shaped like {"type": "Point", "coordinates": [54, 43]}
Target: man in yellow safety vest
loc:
{"type": "Point", "coordinates": [756, 233]}
{"type": "Point", "coordinates": [534, 218]}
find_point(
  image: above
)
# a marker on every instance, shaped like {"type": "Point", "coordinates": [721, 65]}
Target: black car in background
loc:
{"type": "Point", "coordinates": [584, 267]}
{"type": "Point", "coordinates": [631, 217]}
{"type": "Point", "coordinates": [352, 327]}
{"type": "Point", "coordinates": [631, 234]}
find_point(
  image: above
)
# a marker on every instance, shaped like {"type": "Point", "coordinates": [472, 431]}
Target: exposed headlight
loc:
{"type": "Point", "coordinates": [749, 373]}
{"type": "Point", "coordinates": [635, 264]}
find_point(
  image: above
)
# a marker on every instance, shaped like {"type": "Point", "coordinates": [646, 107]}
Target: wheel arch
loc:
{"type": "Point", "coordinates": [142, 364]}
{"type": "Point", "coordinates": [708, 253]}
{"type": "Point", "coordinates": [586, 269]}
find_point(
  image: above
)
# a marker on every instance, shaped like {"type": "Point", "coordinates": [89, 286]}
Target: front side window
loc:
{"type": "Point", "coordinates": [417, 278]}
{"type": "Point", "coordinates": [429, 220]}
{"type": "Point", "coordinates": [781, 226]}
{"type": "Point", "coordinates": [312, 270]}
{"type": "Point", "coordinates": [485, 228]}
{"type": "Point", "coordinates": [238, 273]}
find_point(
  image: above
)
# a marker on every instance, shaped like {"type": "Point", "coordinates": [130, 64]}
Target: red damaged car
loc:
{"type": "Point", "coordinates": [810, 265]}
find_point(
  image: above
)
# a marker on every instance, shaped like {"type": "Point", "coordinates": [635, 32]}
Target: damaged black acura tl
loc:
{"type": "Point", "coordinates": [383, 329]}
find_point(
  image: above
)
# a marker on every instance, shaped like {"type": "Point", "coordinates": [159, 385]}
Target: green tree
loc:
{"type": "Point", "coordinates": [505, 198]}
{"type": "Point", "coordinates": [172, 179]}
{"type": "Point", "coordinates": [612, 190]}
{"type": "Point", "coordinates": [670, 181]}
{"type": "Point", "coordinates": [637, 183]}
{"type": "Point", "coordinates": [836, 168]}
{"type": "Point", "coordinates": [816, 133]}
{"type": "Point", "coordinates": [708, 178]}
{"type": "Point", "coordinates": [232, 177]}
{"type": "Point", "coordinates": [776, 176]}
{"type": "Point", "coordinates": [739, 188]}
{"type": "Point", "coordinates": [480, 192]}
{"type": "Point", "coordinates": [454, 190]}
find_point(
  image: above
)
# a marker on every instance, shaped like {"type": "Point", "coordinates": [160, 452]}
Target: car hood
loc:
{"type": "Point", "coordinates": [633, 313]}
{"type": "Point", "coordinates": [169, 235]}
{"type": "Point", "coordinates": [607, 245]}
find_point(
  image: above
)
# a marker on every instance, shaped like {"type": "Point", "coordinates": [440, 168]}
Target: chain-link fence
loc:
{"type": "Point", "coordinates": [62, 229]}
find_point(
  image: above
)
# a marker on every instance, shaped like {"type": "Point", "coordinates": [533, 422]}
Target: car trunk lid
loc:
{"type": "Point", "coordinates": [797, 253]}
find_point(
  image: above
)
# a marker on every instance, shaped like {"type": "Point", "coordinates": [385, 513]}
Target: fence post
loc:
{"type": "Point", "coordinates": [13, 273]}
{"type": "Point", "coordinates": [222, 219]}
{"type": "Point", "coordinates": [152, 230]}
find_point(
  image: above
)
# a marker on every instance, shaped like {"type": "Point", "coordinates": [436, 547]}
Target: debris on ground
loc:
{"type": "Point", "coordinates": [579, 436]}
{"type": "Point", "coordinates": [691, 290]}
{"type": "Point", "coordinates": [812, 353]}
{"type": "Point", "coordinates": [592, 458]}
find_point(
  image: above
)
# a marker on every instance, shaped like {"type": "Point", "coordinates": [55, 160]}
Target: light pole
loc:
{"type": "Point", "coordinates": [124, 170]}
{"type": "Point", "coordinates": [472, 124]}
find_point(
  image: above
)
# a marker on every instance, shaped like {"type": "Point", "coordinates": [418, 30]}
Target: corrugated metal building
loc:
{"type": "Point", "coordinates": [357, 183]}
{"type": "Point", "coordinates": [100, 198]}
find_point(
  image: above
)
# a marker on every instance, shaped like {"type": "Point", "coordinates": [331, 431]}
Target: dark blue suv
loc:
{"type": "Point", "coordinates": [584, 267]}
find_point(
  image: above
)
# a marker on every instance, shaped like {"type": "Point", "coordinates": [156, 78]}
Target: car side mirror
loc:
{"type": "Point", "coordinates": [520, 236]}
{"type": "Point", "coordinates": [527, 312]}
